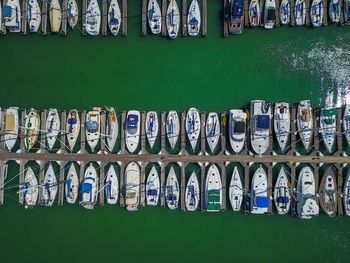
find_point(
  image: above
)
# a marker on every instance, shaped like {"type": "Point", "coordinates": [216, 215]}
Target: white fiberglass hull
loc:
{"type": "Point", "coordinates": [151, 127]}
{"type": "Point", "coordinates": [172, 190]}
{"type": "Point", "coordinates": [212, 130]}
{"type": "Point", "coordinates": [53, 126]}
{"type": "Point", "coordinates": [193, 127]}
{"type": "Point", "coordinates": [132, 186]}
{"type": "Point", "coordinates": [172, 128]}
{"type": "Point", "coordinates": [11, 127]}
{"type": "Point", "coordinates": [236, 190]}
{"type": "Point", "coordinates": [50, 186]}
{"type": "Point", "coordinates": [132, 130]}
{"type": "Point", "coordinates": [192, 196]}
{"type": "Point", "coordinates": [111, 186]}
{"type": "Point", "coordinates": [152, 187]}
{"type": "Point", "coordinates": [72, 185]}
{"type": "Point", "coordinates": [72, 128]}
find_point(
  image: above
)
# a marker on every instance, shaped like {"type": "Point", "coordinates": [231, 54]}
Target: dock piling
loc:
{"type": "Point", "coordinates": [122, 134]}
{"type": "Point", "coordinates": [44, 11]}
{"type": "Point", "coordinates": [144, 18]}
{"type": "Point", "coordinates": [2, 128]}
{"type": "Point", "coordinates": [307, 15]}
{"type": "Point", "coordinates": [162, 183]}
{"type": "Point", "coordinates": [293, 181]}
{"type": "Point", "coordinates": [104, 17]}
{"type": "Point", "coordinates": [202, 134]}
{"type": "Point", "coordinates": [261, 3]}
{"type": "Point", "coordinates": [269, 186]}
{"type": "Point", "coordinates": [293, 135]}
{"type": "Point", "coordinates": [81, 172]}
{"type": "Point", "coordinates": [246, 13]}
{"type": "Point", "coordinates": [223, 133]}
{"type": "Point", "coordinates": [103, 130]}
{"type": "Point", "coordinates": [143, 184]}
{"type": "Point", "coordinates": [325, 12]}
{"type": "Point", "coordinates": [121, 185]}
{"type": "Point", "coordinates": [341, 18]}
{"type": "Point", "coordinates": [64, 17]}
{"type": "Point", "coordinates": [23, 130]}
{"type": "Point", "coordinates": [202, 187]}
{"type": "Point", "coordinates": [223, 183]}
{"type": "Point", "coordinates": [41, 182]}
{"type": "Point", "coordinates": [246, 188]}
{"type": "Point", "coordinates": [43, 131]}
{"type": "Point", "coordinates": [340, 185]}
{"type": "Point", "coordinates": [339, 140]}
{"type": "Point", "coordinates": [143, 132]}
{"type": "Point", "coordinates": [204, 18]}
{"type": "Point", "coordinates": [316, 133]}
{"type": "Point", "coordinates": [63, 134]}
{"type": "Point", "coordinates": [162, 133]}
{"type": "Point", "coordinates": [184, 18]}
{"type": "Point", "coordinates": [277, 14]}
{"type": "Point", "coordinates": [2, 182]}
{"type": "Point", "coordinates": [183, 133]}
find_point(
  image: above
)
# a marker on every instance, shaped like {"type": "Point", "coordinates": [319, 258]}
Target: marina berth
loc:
{"type": "Point", "coordinates": [71, 184]}
{"type": "Point", "coordinates": [132, 130]}
{"type": "Point", "coordinates": [114, 17]}
{"type": "Point", "coordinates": [192, 193]}
{"type": "Point", "coordinates": [173, 19]}
{"type": "Point", "coordinates": [50, 186]}
{"type": "Point", "coordinates": [282, 195]}
{"type": "Point", "coordinates": [237, 129]}
{"type": "Point", "coordinates": [154, 17]}
{"type": "Point", "coordinates": [11, 127]}
{"type": "Point", "coordinates": [72, 13]}
{"type": "Point", "coordinates": [11, 15]}
{"type": "Point", "coordinates": [334, 11]}
{"type": "Point", "coordinates": [93, 126]}
{"type": "Point", "coordinates": [172, 190]}
{"type": "Point", "coordinates": [236, 190]}
{"type": "Point", "coordinates": [33, 15]}
{"type": "Point", "coordinates": [55, 16]}
{"type": "Point", "coordinates": [32, 126]}
{"type": "Point", "coordinates": [173, 128]}
{"type": "Point", "coordinates": [53, 126]}
{"type": "Point", "coordinates": [284, 12]}
{"type": "Point", "coordinates": [213, 189]}
{"type": "Point", "coordinates": [236, 16]}
{"type": "Point", "coordinates": [111, 186]}
{"type": "Point", "coordinates": [316, 13]}
{"type": "Point", "coordinates": [300, 12]}
{"type": "Point", "coordinates": [254, 13]}
{"type": "Point", "coordinates": [30, 188]}
{"type": "Point", "coordinates": [269, 14]}
{"type": "Point", "coordinates": [259, 202]}
{"type": "Point", "coordinates": [193, 127]}
{"type": "Point", "coordinates": [72, 128]}
{"type": "Point", "coordinates": [328, 192]}
{"type": "Point", "coordinates": [328, 127]}
{"type": "Point", "coordinates": [152, 187]}
{"type": "Point", "coordinates": [194, 19]}
{"type": "Point", "coordinates": [89, 188]}
{"type": "Point", "coordinates": [132, 186]}
{"type": "Point", "coordinates": [93, 18]}
{"type": "Point", "coordinates": [212, 130]}
{"type": "Point", "coordinates": [305, 123]}
{"type": "Point", "coordinates": [152, 127]}
{"type": "Point", "coordinates": [281, 123]}
{"type": "Point", "coordinates": [112, 129]}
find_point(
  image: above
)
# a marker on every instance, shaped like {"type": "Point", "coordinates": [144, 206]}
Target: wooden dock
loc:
{"type": "Point", "coordinates": [44, 17]}
{"type": "Point", "coordinates": [164, 10]}
{"type": "Point", "coordinates": [292, 16]}
{"type": "Point", "coordinates": [204, 18]}
{"type": "Point", "coordinates": [277, 14]}
{"type": "Point", "coordinates": [64, 17]}
{"type": "Point", "coordinates": [83, 16]}
{"type": "Point", "coordinates": [307, 15]}
{"type": "Point", "coordinates": [102, 178]}
{"type": "Point", "coordinates": [104, 17]}
{"type": "Point", "coordinates": [261, 3]}
{"type": "Point", "coordinates": [224, 21]}
{"type": "Point", "coordinates": [325, 12]}
{"type": "Point", "coordinates": [24, 18]}
{"type": "Point", "coordinates": [184, 18]}
{"type": "Point", "coordinates": [125, 18]}
{"type": "Point", "coordinates": [341, 19]}
{"type": "Point", "coordinates": [144, 18]}
{"type": "Point", "coordinates": [3, 171]}
{"type": "Point", "coordinates": [246, 13]}
{"type": "Point", "coordinates": [61, 178]}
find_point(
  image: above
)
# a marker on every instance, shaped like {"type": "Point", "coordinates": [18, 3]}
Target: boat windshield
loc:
{"type": "Point", "coordinates": [91, 126]}
{"type": "Point", "coordinates": [239, 127]}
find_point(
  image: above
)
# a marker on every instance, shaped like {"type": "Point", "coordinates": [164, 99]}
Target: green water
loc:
{"type": "Point", "coordinates": [154, 73]}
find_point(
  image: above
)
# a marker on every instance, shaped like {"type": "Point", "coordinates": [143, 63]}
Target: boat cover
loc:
{"type": "Point", "coordinates": [6, 11]}
{"type": "Point", "coordinates": [237, 8]}
{"type": "Point", "coordinates": [86, 188]}
{"type": "Point", "coordinates": [92, 126]}
{"type": "Point", "coordinates": [9, 122]}
{"type": "Point", "coordinates": [152, 192]}
{"type": "Point", "coordinates": [262, 201]}
{"type": "Point", "coordinates": [171, 197]}
{"type": "Point", "coordinates": [283, 200]}
{"type": "Point", "coordinates": [271, 15]}
{"type": "Point", "coordinates": [329, 112]}
{"type": "Point", "coordinates": [239, 127]}
{"type": "Point", "coordinates": [132, 121]}
{"type": "Point", "coordinates": [263, 122]}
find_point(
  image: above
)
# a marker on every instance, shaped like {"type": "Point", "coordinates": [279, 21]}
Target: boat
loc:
{"type": "Point", "coordinates": [112, 129]}
{"type": "Point", "coordinates": [152, 127]}
{"type": "Point", "coordinates": [212, 130]}
{"type": "Point", "coordinates": [347, 12]}
{"type": "Point", "coordinates": [132, 186]}
{"type": "Point", "coordinates": [152, 187]}
{"type": "Point", "coordinates": [237, 129]}
{"type": "Point", "coordinates": [111, 186]}
{"type": "Point", "coordinates": [32, 127]}
{"type": "Point", "coordinates": [11, 15]}
{"type": "Point", "coordinates": [194, 19]}
{"type": "Point", "coordinates": [260, 125]}
{"type": "Point", "coordinates": [92, 126]}
{"type": "Point", "coordinates": [72, 185]}
{"type": "Point", "coordinates": [93, 18]}
{"type": "Point", "coordinates": [192, 191]}
{"type": "Point", "coordinates": [269, 14]}
{"type": "Point", "coordinates": [328, 127]}
{"type": "Point", "coordinates": [53, 126]}
{"type": "Point", "coordinates": [11, 127]}
{"type": "Point", "coordinates": [254, 13]}
{"type": "Point", "coordinates": [316, 13]}
{"type": "Point", "coordinates": [213, 190]}
{"type": "Point", "coordinates": [305, 123]}
{"type": "Point", "coordinates": [72, 13]}
{"type": "Point", "coordinates": [346, 124]}
{"type": "Point", "coordinates": [281, 122]}
{"type": "Point", "coordinates": [306, 194]}
{"type": "Point", "coordinates": [172, 19]}
{"type": "Point", "coordinates": [132, 130]}
{"type": "Point", "coordinates": [33, 15]}
{"type": "Point", "coordinates": [334, 11]}
{"type": "Point", "coordinates": [234, 14]}
{"type": "Point", "coordinates": [300, 12]}
{"type": "Point", "coordinates": [346, 194]}
{"type": "Point", "coordinates": [236, 190]}
{"type": "Point", "coordinates": [50, 186]}
{"type": "Point", "coordinates": [259, 202]}
{"type": "Point", "coordinates": [193, 126]}
{"type": "Point", "coordinates": [285, 12]}
{"type": "Point", "coordinates": [114, 17]}
{"type": "Point", "coordinates": [89, 188]}
{"type": "Point", "coordinates": [55, 16]}
{"type": "Point", "coordinates": [282, 196]}
{"type": "Point", "coordinates": [328, 192]}
{"type": "Point", "coordinates": [172, 190]}
{"type": "Point", "coordinates": [154, 17]}
{"type": "Point", "coordinates": [30, 188]}
{"type": "Point", "coordinates": [172, 128]}
{"type": "Point", "coordinates": [72, 128]}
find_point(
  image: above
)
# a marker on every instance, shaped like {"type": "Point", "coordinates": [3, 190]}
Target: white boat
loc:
{"type": "Point", "coordinates": [30, 188]}
{"type": "Point", "coordinates": [193, 126]}
{"type": "Point", "coordinates": [53, 126]}
{"type": "Point", "coordinates": [305, 123]}
{"type": "Point", "coordinates": [92, 128]}
{"type": "Point", "coordinates": [328, 127]}
{"type": "Point", "coordinates": [254, 13]}
{"type": "Point", "coordinates": [72, 185]}
{"type": "Point", "coordinates": [285, 12]}
{"type": "Point", "coordinates": [50, 186]}
{"type": "Point", "coordinates": [306, 194]}
{"type": "Point", "coordinates": [281, 122]}
{"type": "Point", "coordinates": [334, 11]}
{"type": "Point", "coordinates": [346, 124]}
{"type": "Point", "coordinates": [260, 125]}
{"type": "Point", "coordinates": [269, 14]}
{"type": "Point", "coordinates": [300, 12]}
{"type": "Point", "coordinates": [316, 13]}
{"type": "Point", "coordinates": [282, 196]}
{"type": "Point", "coordinates": [328, 192]}
{"type": "Point", "coordinates": [346, 9]}
{"type": "Point", "coordinates": [152, 187]}
{"type": "Point", "coordinates": [11, 15]}
{"type": "Point", "coordinates": [93, 18]}
{"type": "Point", "coordinates": [11, 127]}
{"type": "Point", "coordinates": [89, 188]}
{"type": "Point", "coordinates": [151, 127]}
{"type": "Point", "coordinates": [132, 130]}
{"type": "Point", "coordinates": [32, 128]}
{"type": "Point", "coordinates": [194, 19]}
{"type": "Point", "coordinates": [111, 186]}
{"type": "Point", "coordinates": [346, 193]}
{"type": "Point", "coordinates": [72, 13]}
{"type": "Point", "coordinates": [173, 19]}
{"type": "Point", "coordinates": [259, 202]}
{"type": "Point", "coordinates": [114, 17]}
{"type": "Point", "coordinates": [132, 186]}
{"type": "Point", "coordinates": [55, 16]}
{"type": "Point", "coordinates": [237, 129]}
{"type": "Point", "coordinates": [172, 190]}
{"type": "Point", "coordinates": [112, 129]}
{"type": "Point", "coordinates": [72, 128]}
{"type": "Point", "coordinates": [33, 15]}
{"type": "Point", "coordinates": [236, 190]}
{"type": "Point", "coordinates": [172, 128]}
{"type": "Point", "coordinates": [154, 17]}
{"type": "Point", "coordinates": [192, 196]}
{"type": "Point", "coordinates": [213, 190]}
{"type": "Point", "coordinates": [212, 130]}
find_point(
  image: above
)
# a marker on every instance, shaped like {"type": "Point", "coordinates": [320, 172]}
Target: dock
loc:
{"type": "Point", "coordinates": [341, 19]}
{"type": "Point", "coordinates": [64, 17]}
{"type": "Point", "coordinates": [204, 18]}
{"type": "Point", "coordinates": [292, 16]}
{"type": "Point", "coordinates": [125, 18]}
{"type": "Point", "coordinates": [261, 3]}
{"type": "Point", "coordinates": [277, 14]}
{"type": "Point", "coordinates": [61, 178]}
{"type": "Point", "coordinates": [184, 18]}
{"type": "Point", "coordinates": [246, 13]}
{"type": "Point", "coordinates": [325, 12]}
{"type": "Point", "coordinates": [3, 173]}
{"type": "Point", "coordinates": [83, 16]}
{"type": "Point", "coordinates": [104, 17]}
{"type": "Point", "coordinates": [144, 18]}
{"type": "Point", "coordinates": [224, 21]}
{"type": "Point", "coordinates": [44, 17]}
{"type": "Point", "coordinates": [164, 10]}
{"type": "Point", "coordinates": [307, 15]}
{"type": "Point", "coordinates": [24, 18]}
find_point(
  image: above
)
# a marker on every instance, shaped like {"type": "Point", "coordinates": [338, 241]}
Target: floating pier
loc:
{"type": "Point", "coordinates": [246, 13]}
{"type": "Point", "coordinates": [184, 18]}
{"type": "Point", "coordinates": [124, 18]}
{"type": "Point", "coordinates": [144, 18]}
{"type": "Point", "coordinates": [325, 12]}
{"type": "Point", "coordinates": [204, 18]}
{"type": "Point", "coordinates": [307, 15]}
{"type": "Point", "coordinates": [61, 184]}
{"type": "Point", "coordinates": [164, 10]}
{"type": "Point", "coordinates": [104, 17]}
{"type": "Point", "coordinates": [64, 17]}
{"type": "Point", "coordinates": [277, 14]}
{"type": "Point", "coordinates": [44, 18]}
{"type": "Point", "coordinates": [83, 16]}
{"type": "Point", "coordinates": [292, 15]}
{"type": "Point", "coordinates": [24, 18]}
{"type": "Point", "coordinates": [224, 21]}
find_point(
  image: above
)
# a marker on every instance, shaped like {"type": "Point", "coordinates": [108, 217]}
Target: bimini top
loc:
{"type": "Point", "coordinates": [263, 122]}
{"type": "Point", "coordinates": [262, 201]}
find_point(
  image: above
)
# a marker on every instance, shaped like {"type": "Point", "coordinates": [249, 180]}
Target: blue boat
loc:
{"type": "Point", "coordinates": [236, 16]}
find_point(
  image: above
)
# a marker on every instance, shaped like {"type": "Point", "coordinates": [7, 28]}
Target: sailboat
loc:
{"type": "Point", "coordinates": [194, 19]}
{"type": "Point", "coordinates": [254, 13]}
{"type": "Point", "coordinates": [316, 13]}
{"type": "Point", "coordinates": [30, 188]}
{"type": "Point", "coordinates": [213, 190]}
{"type": "Point", "coordinates": [347, 194]}
{"type": "Point", "coordinates": [53, 126]}
{"type": "Point", "coordinates": [305, 123]}
{"type": "Point", "coordinates": [192, 196]}
{"type": "Point", "coordinates": [72, 128]}
{"type": "Point", "coordinates": [346, 124]}
{"type": "Point", "coordinates": [11, 15]}
{"type": "Point", "coordinates": [55, 16]}
{"type": "Point", "coordinates": [89, 187]}
{"type": "Point", "coordinates": [72, 13]}
{"type": "Point", "coordinates": [173, 19]}
{"type": "Point", "coordinates": [50, 186]}
{"type": "Point", "coordinates": [93, 18]}
{"type": "Point", "coordinates": [152, 187]}
{"type": "Point", "coordinates": [72, 185]}
{"type": "Point", "coordinates": [132, 186]}
{"type": "Point", "coordinates": [193, 126]}
{"type": "Point", "coordinates": [328, 127]}
{"type": "Point", "coordinates": [154, 17]}
{"type": "Point", "coordinates": [33, 15]}
{"type": "Point", "coordinates": [281, 122]}
{"type": "Point", "coordinates": [237, 129]}
{"type": "Point", "coordinates": [112, 129]}
{"type": "Point", "coordinates": [282, 194]}
{"type": "Point", "coordinates": [132, 130]}
{"type": "Point", "coordinates": [11, 127]}
{"type": "Point", "coordinates": [212, 130]}
{"type": "Point", "coordinates": [172, 190]}
{"type": "Point", "coordinates": [32, 126]}
{"type": "Point", "coordinates": [259, 202]}
{"type": "Point", "coordinates": [236, 190]}
{"type": "Point", "coordinates": [328, 192]}
{"type": "Point", "coordinates": [114, 17]}
{"type": "Point", "coordinates": [111, 186]}
{"type": "Point", "coordinates": [334, 11]}
{"type": "Point", "coordinates": [285, 12]}
{"type": "Point", "coordinates": [152, 127]}
{"type": "Point", "coordinates": [300, 12]}
{"type": "Point", "coordinates": [269, 14]}
{"type": "Point", "coordinates": [172, 128]}
{"type": "Point", "coordinates": [92, 127]}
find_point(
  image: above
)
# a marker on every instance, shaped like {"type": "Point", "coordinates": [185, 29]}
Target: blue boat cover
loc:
{"type": "Point", "coordinates": [6, 11]}
{"type": "Point", "coordinates": [283, 200]}
{"type": "Point", "coordinates": [132, 121]}
{"type": "Point", "coordinates": [152, 192]}
{"type": "Point", "coordinates": [263, 122]}
{"type": "Point", "coordinates": [171, 197]}
{"type": "Point", "coordinates": [237, 8]}
{"type": "Point", "coordinates": [262, 201]}
{"type": "Point", "coordinates": [86, 188]}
